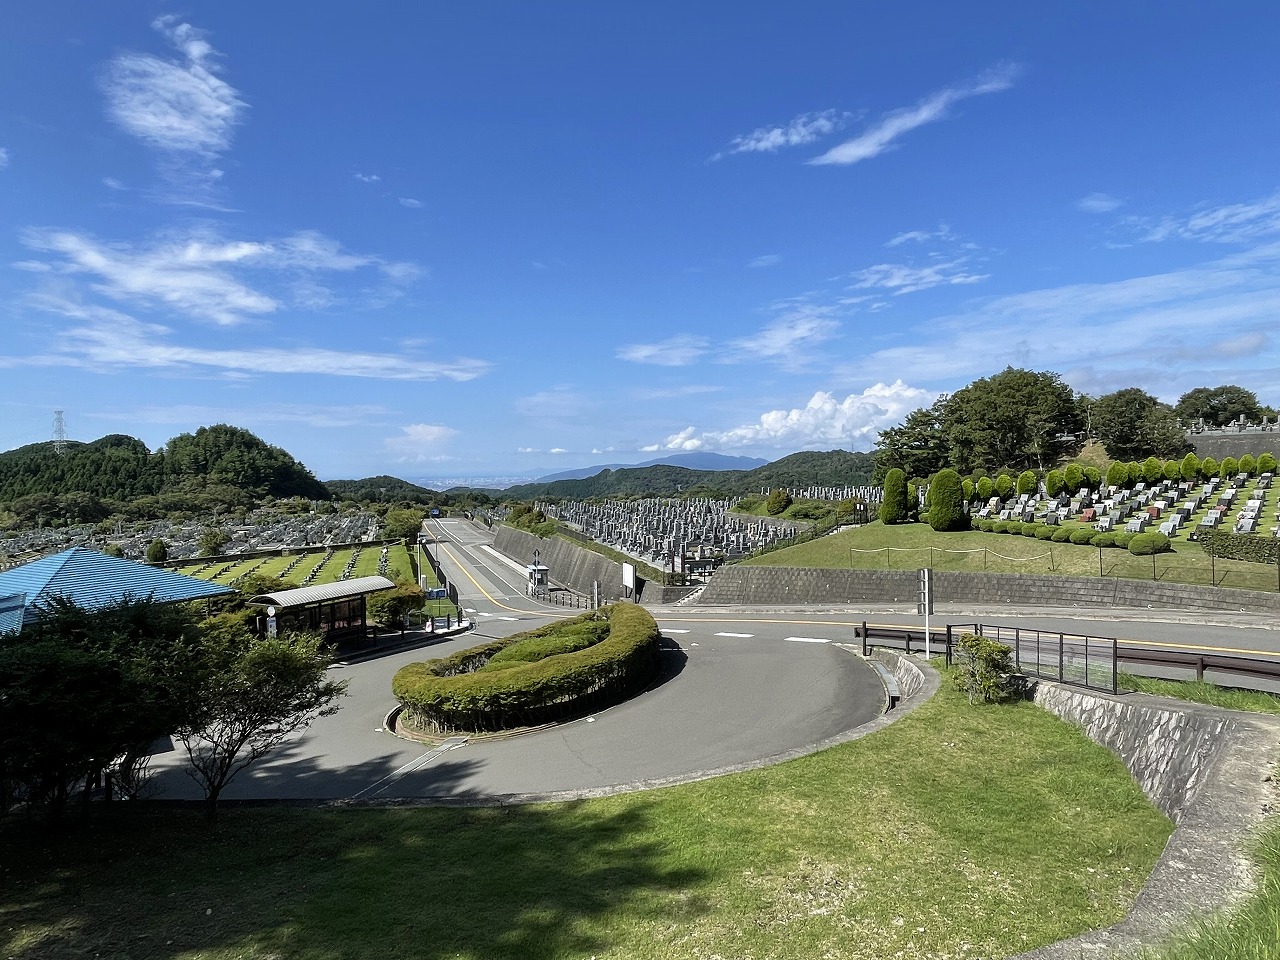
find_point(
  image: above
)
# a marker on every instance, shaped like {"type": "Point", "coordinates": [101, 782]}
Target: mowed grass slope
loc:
{"type": "Point", "coordinates": [910, 546]}
{"type": "Point", "coordinates": [956, 832]}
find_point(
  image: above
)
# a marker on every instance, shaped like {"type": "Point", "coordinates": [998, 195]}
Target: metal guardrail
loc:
{"type": "Point", "coordinates": [1083, 661]}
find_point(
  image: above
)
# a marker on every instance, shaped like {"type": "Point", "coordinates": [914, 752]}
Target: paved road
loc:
{"type": "Point", "coordinates": [738, 685]}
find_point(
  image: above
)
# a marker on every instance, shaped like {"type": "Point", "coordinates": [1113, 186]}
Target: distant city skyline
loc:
{"type": "Point", "coordinates": [507, 240]}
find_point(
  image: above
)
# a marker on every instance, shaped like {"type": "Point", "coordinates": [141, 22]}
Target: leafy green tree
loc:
{"type": "Point", "coordinates": [893, 509]}
{"type": "Point", "coordinates": [1209, 468]}
{"type": "Point", "coordinates": [946, 502]}
{"type": "Point", "coordinates": [967, 489]}
{"type": "Point", "coordinates": [1131, 423]}
{"type": "Point", "coordinates": [1189, 468]}
{"type": "Point", "coordinates": [113, 550]}
{"type": "Point", "coordinates": [157, 551]}
{"type": "Point", "coordinates": [1218, 406]}
{"type": "Point", "coordinates": [1027, 482]}
{"type": "Point", "coordinates": [1017, 419]}
{"type": "Point", "coordinates": [986, 488]}
{"type": "Point", "coordinates": [1266, 463]}
{"type": "Point", "coordinates": [1118, 474]}
{"type": "Point", "coordinates": [405, 523]}
{"type": "Point", "coordinates": [1073, 477]}
{"type": "Point", "coordinates": [918, 447]}
{"type": "Point", "coordinates": [1092, 477]}
{"type": "Point", "coordinates": [1053, 483]}
{"type": "Point", "coordinates": [1152, 470]}
{"type": "Point", "coordinates": [1004, 486]}
{"type": "Point", "coordinates": [1171, 469]}
{"type": "Point", "coordinates": [1230, 467]}
{"type": "Point", "coordinates": [253, 694]}
{"type": "Point", "coordinates": [1248, 464]}
{"type": "Point", "coordinates": [212, 540]}
{"type": "Point", "coordinates": [777, 502]}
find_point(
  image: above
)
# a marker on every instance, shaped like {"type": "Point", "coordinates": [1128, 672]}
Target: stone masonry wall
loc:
{"type": "Point", "coordinates": [1169, 752]}
{"type": "Point", "coordinates": [738, 584]}
{"type": "Point", "coordinates": [567, 563]}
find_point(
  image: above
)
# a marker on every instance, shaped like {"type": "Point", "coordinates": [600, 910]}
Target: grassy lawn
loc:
{"type": "Point", "coordinates": [1198, 691]}
{"type": "Point", "coordinates": [913, 545]}
{"type": "Point", "coordinates": [956, 832]}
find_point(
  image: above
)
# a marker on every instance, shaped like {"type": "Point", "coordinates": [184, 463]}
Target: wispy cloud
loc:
{"type": "Point", "coordinates": [367, 177]}
{"type": "Point", "coordinates": [558, 403]}
{"type": "Point", "coordinates": [421, 441]}
{"type": "Point", "coordinates": [410, 203]}
{"type": "Point", "coordinates": [767, 260]}
{"type": "Point", "coordinates": [922, 236]}
{"type": "Point", "coordinates": [1099, 203]}
{"type": "Point", "coordinates": [824, 421]}
{"type": "Point", "coordinates": [311, 415]}
{"type": "Point", "coordinates": [4, 158]}
{"type": "Point", "coordinates": [678, 351]}
{"type": "Point", "coordinates": [108, 340]}
{"type": "Point", "coordinates": [883, 135]}
{"type": "Point", "coordinates": [788, 338]}
{"type": "Point", "coordinates": [1231, 223]}
{"type": "Point", "coordinates": [806, 128]}
{"type": "Point", "coordinates": [195, 275]}
{"type": "Point", "coordinates": [178, 106]}
{"type": "Point", "coordinates": [900, 278]}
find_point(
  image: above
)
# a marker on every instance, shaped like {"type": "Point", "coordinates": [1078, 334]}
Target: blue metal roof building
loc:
{"type": "Point", "coordinates": [93, 580]}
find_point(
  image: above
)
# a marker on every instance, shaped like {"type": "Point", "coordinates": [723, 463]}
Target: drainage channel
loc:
{"type": "Point", "coordinates": [413, 765]}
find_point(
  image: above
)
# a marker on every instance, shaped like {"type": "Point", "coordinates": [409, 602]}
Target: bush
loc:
{"type": "Point", "coordinates": [967, 488]}
{"type": "Point", "coordinates": [1045, 532]}
{"type": "Point", "coordinates": [1189, 469]}
{"type": "Point", "coordinates": [1061, 535]}
{"type": "Point", "coordinates": [1152, 470]}
{"type": "Point", "coordinates": [1027, 482]}
{"type": "Point", "coordinates": [157, 551]}
{"type": "Point", "coordinates": [893, 509]}
{"type": "Point", "coordinates": [1266, 463]}
{"type": "Point", "coordinates": [1118, 475]}
{"type": "Point", "coordinates": [986, 488]}
{"type": "Point", "coordinates": [986, 525]}
{"type": "Point", "coordinates": [1237, 546]}
{"type": "Point", "coordinates": [1004, 486]}
{"type": "Point", "coordinates": [456, 694]}
{"type": "Point", "coordinates": [1248, 464]}
{"type": "Point", "coordinates": [984, 670]}
{"type": "Point", "coordinates": [1208, 468]}
{"type": "Point", "coordinates": [1053, 483]}
{"type": "Point", "coordinates": [1123, 537]}
{"type": "Point", "coordinates": [913, 500]}
{"type": "Point", "coordinates": [778, 502]}
{"type": "Point", "coordinates": [946, 502]}
{"type": "Point", "coordinates": [1082, 535]}
{"type": "Point", "coordinates": [1103, 540]}
{"type": "Point", "coordinates": [569, 639]}
{"type": "Point", "coordinates": [1230, 467]}
{"type": "Point", "coordinates": [1172, 470]}
{"type": "Point", "coordinates": [1093, 478]}
{"type": "Point", "coordinates": [1145, 544]}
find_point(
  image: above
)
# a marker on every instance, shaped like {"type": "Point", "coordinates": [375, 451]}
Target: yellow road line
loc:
{"type": "Point", "coordinates": [466, 573]}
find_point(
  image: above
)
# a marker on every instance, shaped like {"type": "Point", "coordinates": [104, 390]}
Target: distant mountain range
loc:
{"type": "Point", "coordinates": [691, 461]}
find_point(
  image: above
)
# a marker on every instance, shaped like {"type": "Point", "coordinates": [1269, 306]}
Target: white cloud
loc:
{"type": "Point", "coordinates": [882, 135]}
{"type": "Point", "coordinates": [411, 203]}
{"type": "Point", "coordinates": [421, 441]}
{"type": "Point", "coordinates": [113, 183]}
{"type": "Point", "coordinates": [1099, 203]}
{"type": "Point", "coordinates": [4, 158]}
{"type": "Point", "coordinates": [558, 403]}
{"type": "Point", "coordinates": [178, 106]}
{"type": "Point", "coordinates": [195, 275]}
{"type": "Point", "coordinates": [921, 236]}
{"type": "Point", "coordinates": [806, 128]}
{"type": "Point", "coordinates": [788, 337]}
{"type": "Point", "coordinates": [678, 351]}
{"type": "Point", "coordinates": [557, 450]}
{"type": "Point", "coordinates": [309, 414]}
{"type": "Point", "coordinates": [824, 421]}
{"type": "Point", "coordinates": [1231, 223]}
{"type": "Point", "coordinates": [367, 177]}
{"type": "Point", "coordinates": [110, 340]}
{"type": "Point", "coordinates": [900, 278]}
{"type": "Point", "coordinates": [767, 260]}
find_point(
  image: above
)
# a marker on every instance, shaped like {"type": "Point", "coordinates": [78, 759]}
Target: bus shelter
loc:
{"type": "Point", "coordinates": [336, 610]}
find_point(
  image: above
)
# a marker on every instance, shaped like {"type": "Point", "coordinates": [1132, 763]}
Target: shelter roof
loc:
{"type": "Point", "coordinates": [93, 580]}
{"type": "Point", "coordinates": [339, 590]}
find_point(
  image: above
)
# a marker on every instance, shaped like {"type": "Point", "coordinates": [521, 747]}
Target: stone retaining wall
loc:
{"type": "Point", "coordinates": [738, 584]}
{"type": "Point", "coordinates": [567, 563]}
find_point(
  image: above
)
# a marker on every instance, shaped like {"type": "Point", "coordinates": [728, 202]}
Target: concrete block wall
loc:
{"type": "Point", "coordinates": [738, 584]}
{"type": "Point", "coordinates": [567, 563]}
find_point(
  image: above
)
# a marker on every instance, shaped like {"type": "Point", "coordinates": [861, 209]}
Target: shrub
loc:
{"type": "Point", "coordinates": [1032, 529]}
{"type": "Point", "coordinates": [1045, 532]}
{"type": "Point", "coordinates": [1073, 477]}
{"type": "Point", "coordinates": [1053, 483]}
{"type": "Point", "coordinates": [1004, 486]}
{"type": "Point", "coordinates": [946, 502]}
{"type": "Point", "coordinates": [1123, 537]}
{"type": "Point", "coordinates": [1189, 469]}
{"type": "Point", "coordinates": [1061, 535]}
{"type": "Point", "coordinates": [984, 670]}
{"type": "Point", "coordinates": [966, 488]}
{"type": "Point", "coordinates": [1093, 477]}
{"type": "Point", "coordinates": [1230, 467]}
{"type": "Point", "coordinates": [1236, 546]}
{"type": "Point", "coordinates": [1082, 535]}
{"type": "Point", "coordinates": [570, 638]}
{"type": "Point", "coordinates": [1208, 468]}
{"type": "Point", "coordinates": [986, 488]}
{"type": "Point", "coordinates": [913, 499]}
{"type": "Point", "coordinates": [1248, 464]}
{"type": "Point", "coordinates": [1103, 540]}
{"type": "Point", "coordinates": [1027, 482]}
{"type": "Point", "coordinates": [1152, 470]}
{"type": "Point", "coordinates": [1266, 463]}
{"type": "Point", "coordinates": [1135, 471]}
{"type": "Point", "coordinates": [1172, 470]}
{"type": "Point", "coordinates": [893, 509]}
{"type": "Point", "coordinates": [1145, 544]}
{"type": "Point", "coordinates": [157, 551]}
{"type": "Point", "coordinates": [778, 501]}
{"type": "Point", "coordinates": [986, 525]}
{"type": "Point", "coordinates": [1118, 475]}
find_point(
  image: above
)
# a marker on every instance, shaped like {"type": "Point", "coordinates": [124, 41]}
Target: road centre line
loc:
{"type": "Point", "coordinates": [415, 764]}
{"type": "Point", "coordinates": [740, 636]}
{"type": "Point", "coordinates": [808, 639]}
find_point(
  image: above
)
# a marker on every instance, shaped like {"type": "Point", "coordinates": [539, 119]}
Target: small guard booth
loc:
{"type": "Point", "coordinates": [336, 610]}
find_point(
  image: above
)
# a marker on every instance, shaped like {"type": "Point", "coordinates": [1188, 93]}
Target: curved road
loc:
{"type": "Point", "coordinates": [738, 686]}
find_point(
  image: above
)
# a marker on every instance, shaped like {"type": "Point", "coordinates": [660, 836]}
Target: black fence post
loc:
{"type": "Point", "coordinates": [1061, 655]}
{"type": "Point", "coordinates": [1115, 666]}
{"type": "Point", "coordinates": [864, 638]}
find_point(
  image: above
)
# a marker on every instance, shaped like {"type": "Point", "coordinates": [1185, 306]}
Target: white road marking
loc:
{"type": "Point", "coordinates": [508, 619]}
{"type": "Point", "coordinates": [808, 640]}
{"type": "Point", "coordinates": [669, 630]}
{"type": "Point", "coordinates": [415, 764]}
{"type": "Point", "coordinates": [741, 636]}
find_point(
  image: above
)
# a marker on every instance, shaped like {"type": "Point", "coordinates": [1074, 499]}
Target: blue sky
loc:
{"type": "Point", "coordinates": [498, 240]}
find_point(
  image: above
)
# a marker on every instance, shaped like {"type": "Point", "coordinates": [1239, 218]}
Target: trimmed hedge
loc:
{"type": "Point", "coordinates": [456, 694]}
{"type": "Point", "coordinates": [571, 638]}
{"type": "Point", "coordinates": [1082, 535]}
{"type": "Point", "coordinates": [1145, 544]}
{"type": "Point", "coordinates": [893, 508]}
{"type": "Point", "coordinates": [1061, 534]}
{"type": "Point", "coordinates": [946, 502]}
{"type": "Point", "coordinates": [1236, 546]}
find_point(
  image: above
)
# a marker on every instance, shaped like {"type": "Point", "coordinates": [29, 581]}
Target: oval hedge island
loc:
{"type": "Point", "coordinates": [556, 672]}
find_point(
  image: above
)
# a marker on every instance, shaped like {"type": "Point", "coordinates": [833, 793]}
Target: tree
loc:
{"type": "Point", "coordinates": [1152, 470]}
{"type": "Point", "coordinates": [157, 551]}
{"type": "Point", "coordinates": [1053, 483]}
{"type": "Point", "coordinates": [1218, 406]}
{"type": "Point", "coordinates": [1248, 464]}
{"type": "Point", "coordinates": [1266, 463]}
{"type": "Point", "coordinates": [1017, 419]}
{"type": "Point", "coordinates": [1027, 482]}
{"type": "Point", "coordinates": [212, 540]}
{"type": "Point", "coordinates": [893, 509]}
{"type": "Point", "coordinates": [1189, 469]}
{"type": "Point", "coordinates": [777, 502]}
{"type": "Point", "coordinates": [1229, 468]}
{"type": "Point", "coordinates": [405, 523]}
{"type": "Point", "coordinates": [918, 447]}
{"type": "Point", "coordinates": [1118, 474]}
{"type": "Point", "coordinates": [986, 488]}
{"type": "Point", "coordinates": [254, 693]}
{"type": "Point", "coordinates": [1209, 468]}
{"type": "Point", "coordinates": [1073, 477]}
{"type": "Point", "coordinates": [946, 502]}
{"type": "Point", "coordinates": [1131, 424]}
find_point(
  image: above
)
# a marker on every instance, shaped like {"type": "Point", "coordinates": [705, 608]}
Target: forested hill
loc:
{"type": "Point", "coordinates": [214, 460]}
{"type": "Point", "coordinates": [383, 489]}
{"type": "Point", "coordinates": [806, 469]}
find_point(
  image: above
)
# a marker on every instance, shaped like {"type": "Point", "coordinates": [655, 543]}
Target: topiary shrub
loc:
{"type": "Point", "coordinates": [986, 525]}
{"type": "Point", "coordinates": [1208, 468]}
{"type": "Point", "coordinates": [1189, 469]}
{"type": "Point", "coordinates": [1004, 486]}
{"type": "Point", "coordinates": [1061, 534]}
{"type": "Point", "coordinates": [1027, 482]}
{"type": "Point", "coordinates": [1118, 475]}
{"type": "Point", "coordinates": [1230, 467]}
{"type": "Point", "coordinates": [455, 693]}
{"type": "Point", "coordinates": [967, 489]}
{"type": "Point", "coordinates": [1172, 470]}
{"type": "Point", "coordinates": [1103, 540]}
{"type": "Point", "coordinates": [1082, 535]}
{"type": "Point", "coordinates": [1248, 464]}
{"type": "Point", "coordinates": [1152, 470]}
{"type": "Point", "coordinates": [1123, 537]}
{"type": "Point", "coordinates": [1145, 544]}
{"type": "Point", "coordinates": [946, 502]}
{"type": "Point", "coordinates": [1053, 483]}
{"type": "Point", "coordinates": [893, 509]}
{"type": "Point", "coordinates": [986, 488]}
{"type": "Point", "coordinates": [1045, 532]}
{"type": "Point", "coordinates": [1092, 478]}
{"type": "Point", "coordinates": [984, 670]}
{"type": "Point", "coordinates": [1266, 463]}
{"type": "Point", "coordinates": [1073, 477]}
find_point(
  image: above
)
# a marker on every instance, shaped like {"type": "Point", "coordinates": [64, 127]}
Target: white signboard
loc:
{"type": "Point", "coordinates": [629, 576]}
